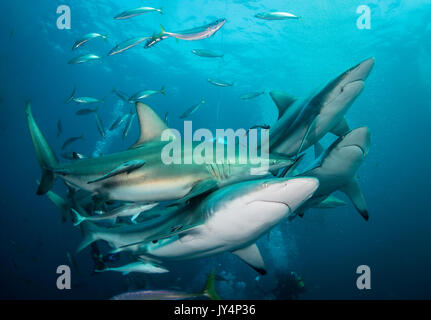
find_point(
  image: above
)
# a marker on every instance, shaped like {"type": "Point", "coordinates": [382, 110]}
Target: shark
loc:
{"type": "Point", "coordinates": [336, 170]}
{"type": "Point", "coordinates": [155, 181]}
{"type": "Point", "coordinates": [234, 218]}
{"type": "Point", "coordinates": [302, 123]}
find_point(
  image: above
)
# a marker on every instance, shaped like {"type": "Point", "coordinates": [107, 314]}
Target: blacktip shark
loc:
{"type": "Point", "coordinates": [302, 124]}
{"type": "Point", "coordinates": [153, 182]}
{"type": "Point", "coordinates": [336, 170]}
{"type": "Point", "coordinates": [235, 217]}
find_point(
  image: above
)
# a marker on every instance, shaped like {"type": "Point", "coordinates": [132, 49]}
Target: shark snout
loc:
{"type": "Point", "coordinates": [360, 137]}
{"type": "Point", "coordinates": [361, 71]}
{"type": "Point", "coordinates": [290, 192]}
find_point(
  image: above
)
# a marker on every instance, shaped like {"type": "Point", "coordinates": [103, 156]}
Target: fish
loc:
{"type": "Point", "coordinates": [59, 128]}
{"type": "Point", "coordinates": [198, 33]}
{"type": "Point", "coordinates": [99, 124]}
{"type": "Point", "coordinates": [235, 217]}
{"type": "Point", "coordinates": [162, 182]}
{"type": "Point", "coordinates": [127, 44]}
{"type": "Point", "coordinates": [276, 16]}
{"type": "Point", "coordinates": [220, 83]}
{"type": "Point", "coordinates": [85, 58]}
{"type": "Point", "coordinates": [136, 12]}
{"type": "Point", "coordinates": [142, 267]}
{"type": "Point", "coordinates": [71, 97]}
{"type": "Point", "coordinates": [336, 170]}
{"type": "Point", "coordinates": [207, 53]}
{"type": "Point", "coordinates": [132, 210]}
{"type": "Point", "coordinates": [129, 123]}
{"type": "Point", "coordinates": [124, 97]}
{"type": "Point", "coordinates": [154, 40]}
{"type": "Point", "coordinates": [119, 121]}
{"type": "Point", "coordinates": [87, 38]}
{"type": "Point", "coordinates": [87, 100]}
{"type": "Point", "coordinates": [261, 126]}
{"type": "Point", "coordinates": [126, 167]}
{"type": "Point", "coordinates": [251, 95]}
{"type": "Point", "coordinates": [69, 141]}
{"type": "Point", "coordinates": [192, 109]}
{"type": "Point", "coordinates": [208, 292]}
{"type": "Point", "coordinates": [145, 94]}
{"type": "Point", "coordinates": [301, 124]}
{"type": "Point", "coordinates": [84, 112]}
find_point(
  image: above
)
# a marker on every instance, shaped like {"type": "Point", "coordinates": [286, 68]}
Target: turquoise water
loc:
{"type": "Point", "coordinates": [297, 56]}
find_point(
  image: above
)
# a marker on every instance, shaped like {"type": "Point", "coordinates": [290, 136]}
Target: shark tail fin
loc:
{"type": "Point", "coordinates": [210, 290]}
{"type": "Point", "coordinates": [89, 235]}
{"type": "Point", "coordinates": [44, 153]}
{"type": "Point", "coordinates": [78, 217]}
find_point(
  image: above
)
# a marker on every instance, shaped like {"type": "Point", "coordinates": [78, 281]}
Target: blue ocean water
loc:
{"type": "Point", "coordinates": [326, 246]}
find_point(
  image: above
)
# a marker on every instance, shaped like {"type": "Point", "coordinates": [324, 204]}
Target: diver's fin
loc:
{"type": "Point", "coordinates": [341, 128]}
{"type": "Point", "coordinates": [89, 235]}
{"type": "Point", "coordinates": [318, 150]}
{"type": "Point", "coordinates": [330, 202]}
{"type": "Point", "coordinates": [282, 100]}
{"type": "Point", "coordinates": [353, 191]}
{"type": "Point", "coordinates": [150, 124]}
{"type": "Point", "coordinates": [251, 255]}
{"type": "Point", "coordinates": [210, 290]}
{"type": "Point", "coordinates": [44, 153]}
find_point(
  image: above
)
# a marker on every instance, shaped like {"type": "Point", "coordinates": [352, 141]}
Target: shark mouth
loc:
{"type": "Point", "coordinates": [269, 201]}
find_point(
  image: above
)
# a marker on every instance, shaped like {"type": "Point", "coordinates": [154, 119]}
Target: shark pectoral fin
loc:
{"type": "Point", "coordinates": [330, 202]}
{"type": "Point", "coordinates": [318, 150]}
{"type": "Point", "coordinates": [150, 124]}
{"type": "Point", "coordinates": [251, 255]}
{"type": "Point", "coordinates": [199, 188]}
{"type": "Point", "coordinates": [353, 191]}
{"type": "Point", "coordinates": [282, 100]}
{"type": "Point", "coordinates": [341, 128]}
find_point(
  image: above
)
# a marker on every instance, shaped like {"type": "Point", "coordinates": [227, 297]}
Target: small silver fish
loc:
{"type": "Point", "coordinates": [126, 167]}
{"type": "Point", "coordinates": [85, 58]}
{"type": "Point", "coordinates": [145, 94]}
{"type": "Point", "coordinates": [198, 33]}
{"type": "Point", "coordinates": [207, 53]}
{"type": "Point", "coordinates": [87, 100]}
{"type": "Point", "coordinates": [120, 120]}
{"type": "Point", "coordinates": [100, 125]}
{"type": "Point", "coordinates": [208, 292]}
{"type": "Point", "coordinates": [84, 112]}
{"type": "Point", "coordinates": [276, 16]}
{"type": "Point", "coordinates": [86, 38]}
{"type": "Point", "coordinates": [136, 12]}
{"type": "Point", "coordinates": [70, 141]}
{"type": "Point", "coordinates": [126, 45]}
{"type": "Point", "coordinates": [251, 95]}
{"type": "Point", "coordinates": [192, 109]}
{"type": "Point", "coordinates": [128, 125]}
{"type": "Point", "coordinates": [220, 83]}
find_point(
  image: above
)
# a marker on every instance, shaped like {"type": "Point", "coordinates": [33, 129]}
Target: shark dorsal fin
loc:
{"type": "Point", "coordinates": [282, 100]}
{"type": "Point", "coordinates": [150, 124]}
{"type": "Point", "coordinates": [251, 255]}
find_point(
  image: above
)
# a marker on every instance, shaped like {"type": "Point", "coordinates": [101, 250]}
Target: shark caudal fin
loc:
{"type": "Point", "coordinates": [210, 290]}
{"type": "Point", "coordinates": [89, 235]}
{"type": "Point", "coordinates": [44, 153]}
